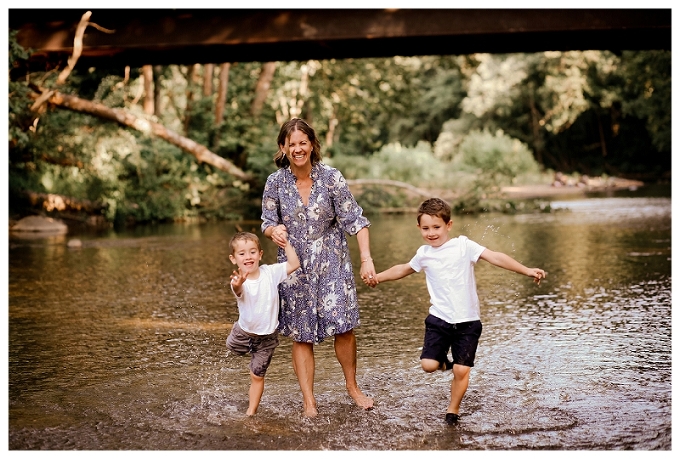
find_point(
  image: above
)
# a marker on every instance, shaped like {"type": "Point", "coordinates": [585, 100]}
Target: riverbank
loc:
{"type": "Point", "coordinates": [536, 192]}
{"type": "Point", "coordinates": [557, 188]}
{"type": "Point", "coordinates": [518, 198]}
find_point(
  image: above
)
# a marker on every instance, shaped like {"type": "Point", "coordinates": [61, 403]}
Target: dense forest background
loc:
{"type": "Point", "coordinates": [133, 145]}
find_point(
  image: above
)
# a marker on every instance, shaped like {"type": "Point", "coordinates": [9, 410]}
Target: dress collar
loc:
{"type": "Point", "coordinates": [314, 173]}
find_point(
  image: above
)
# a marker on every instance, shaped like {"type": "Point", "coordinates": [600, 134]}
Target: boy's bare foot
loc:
{"type": "Point", "coordinates": [446, 365]}
{"type": "Point", "coordinates": [452, 418]}
{"type": "Point", "coordinates": [360, 399]}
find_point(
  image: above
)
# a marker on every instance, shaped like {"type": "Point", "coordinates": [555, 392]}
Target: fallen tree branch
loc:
{"type": "Point", "coordinates": [77, 47]}
{"type": "Point", "coordinates": [149, 127]}
{"type": "Point", "coordinates": [57, 202]}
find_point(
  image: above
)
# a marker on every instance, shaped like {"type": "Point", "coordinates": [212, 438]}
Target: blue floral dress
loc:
{"type": "Point", "coordinates": [319, 299]}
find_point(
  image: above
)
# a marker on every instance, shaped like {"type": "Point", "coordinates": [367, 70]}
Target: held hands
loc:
{"type": "Point", "coordinates": [368, 274]}
{"type": "Point", "coordinates": [280, 235]}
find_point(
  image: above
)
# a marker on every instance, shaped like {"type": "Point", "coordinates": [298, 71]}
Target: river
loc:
{"type": "Point", "coordinates": [120, 344]}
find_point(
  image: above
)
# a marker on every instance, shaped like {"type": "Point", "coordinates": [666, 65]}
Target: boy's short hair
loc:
{"type": "Point", "coordinates": [244, 236]}
{"type": "Point", "coordinates": [435, 207]}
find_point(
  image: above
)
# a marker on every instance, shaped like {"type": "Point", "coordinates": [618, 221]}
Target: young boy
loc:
{"type": "Point", "coordinates": [453, 321]}
{"type": "Point", "coordinates": [256, 290]}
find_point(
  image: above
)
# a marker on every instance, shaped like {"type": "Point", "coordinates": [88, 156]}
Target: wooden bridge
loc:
{"type": "Point", "coordinates": [137, 37]}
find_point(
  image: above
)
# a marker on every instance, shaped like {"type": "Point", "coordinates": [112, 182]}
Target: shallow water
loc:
{"type": "Point", "coordinates": [121, 344]}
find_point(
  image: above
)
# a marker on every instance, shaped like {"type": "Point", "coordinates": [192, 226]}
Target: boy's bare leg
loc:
{"type": "Point", "coordinates": [303, 365]}
{"type": "Point", "coordinates": [346, 352]}
{"type": "Point", "coordinates": [430, 365]}
{"type": "Point", "coordinates": [255, 393]}
{"type": "Point", "coordinates": [459, 384]}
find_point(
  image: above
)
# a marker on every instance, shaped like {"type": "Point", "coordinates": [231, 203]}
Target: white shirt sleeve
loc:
{"type": "Point", "coordinates": [279, 273]}
{"type": "Point", "coordinates": [472, 249]}
{"type": "Point", "coordinates": [415, 262]}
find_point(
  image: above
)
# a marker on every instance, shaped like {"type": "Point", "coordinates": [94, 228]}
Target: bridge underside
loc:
{"type": "Point", "coordinates": [239, 35]}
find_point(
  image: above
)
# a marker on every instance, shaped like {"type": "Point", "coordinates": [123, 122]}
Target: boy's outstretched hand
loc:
{"type": "Point", "coordinates": [537, 274]}
{"type": "Point", "coordinates": [238, 277]}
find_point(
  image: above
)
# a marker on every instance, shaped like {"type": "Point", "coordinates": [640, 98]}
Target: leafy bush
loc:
{"type": "Point", "coordinates": [414, 165]}
{"type": "Point", "coordinates": [495, 157]}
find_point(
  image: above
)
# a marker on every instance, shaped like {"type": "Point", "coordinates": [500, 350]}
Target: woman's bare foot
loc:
{"type": "Point", "coordinates": [360, 399]}
{"type": "Point", "coordinates": [309, 410]}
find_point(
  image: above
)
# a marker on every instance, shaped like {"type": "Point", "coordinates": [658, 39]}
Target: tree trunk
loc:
{"type": "Point", "coordinates": [222, 93]}
{"type": "Point", "coordinates": [262, 87]}
{"type": "Point", "coordinates": [332, 123]}
{"type": "Point", "coordinates": [603, 141]}
{"type": "Point", "coordinates": [147, 71]}
{"type": "Point", "coordinates": [208, 79]}
{"type": "Point", "coordinates": [535, 128]}
{"type": "Point", "coordinates": [221, 100]}
{"type": "Point", "coordinates": [157, 70]}
{"type": "Point", "coordinates": [191, 81]}
{"type": "Point", "coordinates": [126, 119]}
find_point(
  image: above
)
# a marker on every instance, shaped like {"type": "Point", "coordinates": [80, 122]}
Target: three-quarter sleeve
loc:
{"type": "Point", "coordinates": [347, 210]}
{"type": "Point", "coordinates": [271, 215]}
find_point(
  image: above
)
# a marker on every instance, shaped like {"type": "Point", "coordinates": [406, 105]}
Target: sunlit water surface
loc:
{"type": "Point", "coordinates": [121, 344]}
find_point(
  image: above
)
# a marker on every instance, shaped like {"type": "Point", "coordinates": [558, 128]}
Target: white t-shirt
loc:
{"type": "Point", "coordinates": [258, 305]}
{"type": "Point", "coordinates": [450, 275]}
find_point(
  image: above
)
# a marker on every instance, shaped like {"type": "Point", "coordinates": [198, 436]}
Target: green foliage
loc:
{"type": "Point", "coordinates": [647, 92]}
{"type": "Point", "coordinates": [567, 107]}
{"type": "Point", "coordinates": [414, 165]}
{"type": "Point", "coordinates": [423, 120]}
{"type": "Point", "coordinates": [496, 158]}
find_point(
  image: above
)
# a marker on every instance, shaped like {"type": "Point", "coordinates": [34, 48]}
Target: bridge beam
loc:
{"type": "Point", "coordinates": [241, 35]}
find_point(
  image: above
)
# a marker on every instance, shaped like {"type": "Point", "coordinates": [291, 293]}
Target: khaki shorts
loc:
{"type": "Point", "coordinates": [260, 347]}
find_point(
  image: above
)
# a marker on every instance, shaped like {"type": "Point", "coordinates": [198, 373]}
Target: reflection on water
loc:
{"type": "Point", "coordinates": [121, 344]}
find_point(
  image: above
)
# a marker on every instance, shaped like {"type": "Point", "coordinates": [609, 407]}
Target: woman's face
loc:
{"type": "Point", "coordinates": [298, 149]}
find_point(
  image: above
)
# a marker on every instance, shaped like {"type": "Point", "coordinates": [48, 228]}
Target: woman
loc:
{"type": "Point", "coordinates": [311, 202]}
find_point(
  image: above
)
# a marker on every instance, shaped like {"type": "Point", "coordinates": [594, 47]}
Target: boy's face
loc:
{"type": "Point", "coordinates": [433, 229]}
{"type": "Point", "coordinates": [246, 255]}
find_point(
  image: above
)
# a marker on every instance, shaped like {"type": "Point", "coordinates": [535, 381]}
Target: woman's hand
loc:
{"type": "Point", "coordinates": [280, 235]}
{"type": "Point", "coordinates": [367, 272]}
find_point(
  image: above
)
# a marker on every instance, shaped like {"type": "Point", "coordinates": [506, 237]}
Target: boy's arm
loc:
{"type": "Point", "coordinates": [292, 260]}
{"type": "Point", "coordinates": [394, 273]}
{"type": "Point", "coordinates": [507, 262]}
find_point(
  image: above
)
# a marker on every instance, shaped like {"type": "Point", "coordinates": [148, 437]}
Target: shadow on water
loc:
{"type": "Point", "coordinates": [120, 344]}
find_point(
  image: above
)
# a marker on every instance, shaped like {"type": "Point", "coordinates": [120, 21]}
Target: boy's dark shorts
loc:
{"type": "Point", "coordinates": [462, 338]}
{"type": "Point", "coordinates": [260, 347]}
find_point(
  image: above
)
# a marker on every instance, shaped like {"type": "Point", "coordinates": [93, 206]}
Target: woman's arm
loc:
{"type": "Point", "coordinates": [271, 219]}
{"type": "Point", "coordinates": [367, 269]}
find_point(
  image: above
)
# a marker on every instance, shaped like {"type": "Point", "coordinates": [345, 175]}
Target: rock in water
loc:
{"type": "Point", "coordinates": [40, 224]}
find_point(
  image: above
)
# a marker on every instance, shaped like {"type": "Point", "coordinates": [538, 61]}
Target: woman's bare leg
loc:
{"type": "Point", "coordinates": [303, 365]}
{"type": "Point", "coordinates": [346, 352]}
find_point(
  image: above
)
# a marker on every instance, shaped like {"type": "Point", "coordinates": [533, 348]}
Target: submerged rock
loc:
{"type": "Point", "coordinates": [40, 224]}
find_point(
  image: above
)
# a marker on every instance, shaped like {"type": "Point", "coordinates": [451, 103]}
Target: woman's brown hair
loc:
{"type": "Point", "coordinates": [287, 128]}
